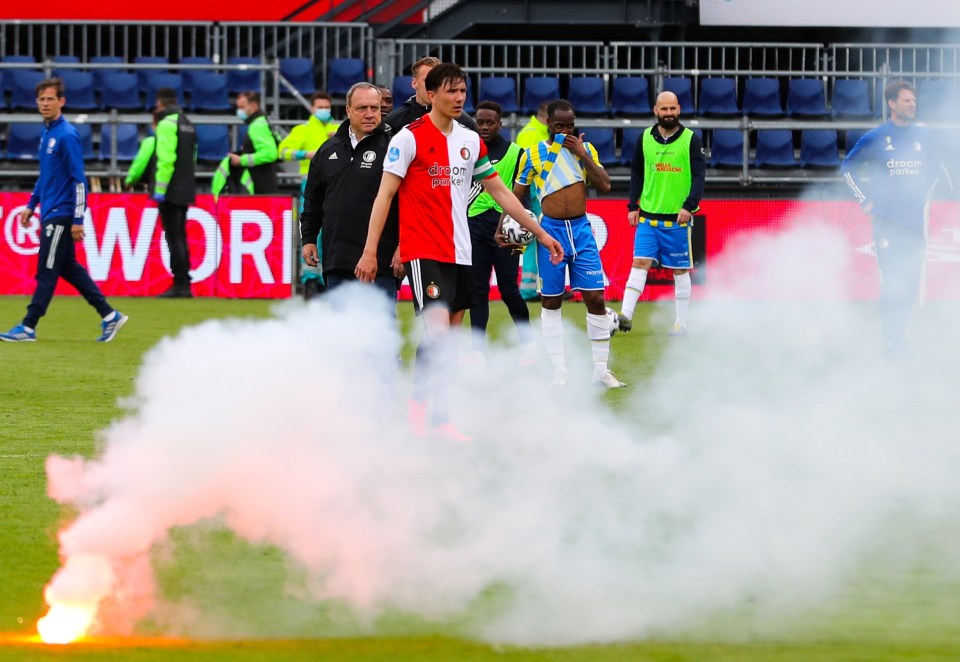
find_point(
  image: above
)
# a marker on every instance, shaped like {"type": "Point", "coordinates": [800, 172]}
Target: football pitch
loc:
{"type": "Point", "coordinates": [57, 394]}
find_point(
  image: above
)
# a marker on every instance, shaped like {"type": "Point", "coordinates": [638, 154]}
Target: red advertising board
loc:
{"type": "Point", "coordinates": [239, 246]}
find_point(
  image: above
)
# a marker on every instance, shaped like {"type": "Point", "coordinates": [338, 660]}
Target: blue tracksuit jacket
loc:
{"type": "Point", "coordinates": [61, 189]}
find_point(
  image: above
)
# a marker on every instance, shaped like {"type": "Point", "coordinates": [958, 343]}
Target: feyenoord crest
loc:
{"type": "Point", "coordinates": [369, 156]}
{"type": "Point", "coordinates": [433, 290]}
{"type": "Point", "coordinates": [464, 153]}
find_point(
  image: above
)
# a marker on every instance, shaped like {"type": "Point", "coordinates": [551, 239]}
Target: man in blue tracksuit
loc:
{"type": "Point", "coordinates": [61, 192]}
{"type": "Point", "coordinates": [892, 171]}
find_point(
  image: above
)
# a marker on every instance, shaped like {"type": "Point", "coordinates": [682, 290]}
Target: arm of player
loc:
{"type": "Point", "coordinates": [510, 204]}
{"type": "Point", "coordinates": [849, 169]}
{"type": "Point", "coordinates": [366, 269]}
{"type": "Point", "coordinates": [698, 176]}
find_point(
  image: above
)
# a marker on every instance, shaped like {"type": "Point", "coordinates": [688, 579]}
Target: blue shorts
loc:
{"type": "Point", "coordinates": [667, 245]}
{"type": "Point", "coordinates": [580, 253]}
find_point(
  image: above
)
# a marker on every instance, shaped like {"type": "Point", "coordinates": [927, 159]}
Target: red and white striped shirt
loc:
{"type": "Point", "coordinates": [438, 172]}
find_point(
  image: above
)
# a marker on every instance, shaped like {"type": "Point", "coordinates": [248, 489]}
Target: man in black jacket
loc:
{"type": "Point", "coordinates": [342, 184]}
{"type": "Point", "coordinates": [419, 105]}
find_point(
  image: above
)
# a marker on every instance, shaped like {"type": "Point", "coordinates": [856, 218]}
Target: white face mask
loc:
{"type": "Point", "coordinates": [323, 114]}
{"type": "Point", "coordinates": [242, 114]}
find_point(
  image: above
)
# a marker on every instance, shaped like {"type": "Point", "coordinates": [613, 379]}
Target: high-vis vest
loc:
{"type": "Point", "coordinates": [505, 168]}
{"type": "Point", "coordinates": [667, 177]}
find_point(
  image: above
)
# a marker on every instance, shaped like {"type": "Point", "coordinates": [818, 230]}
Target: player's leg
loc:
{"type": "Point", "coordinates": [552, 286]}
{"type": "Point", "coordinates": [55, 239]}
{"type": "Point", "coordinates": [676, 253]}
{"type": "Point", "coordinates": [506, 264]}
{"type": "Point", "coordinates": [645, 250]}
{"type": "Point", "coordinates": [173, 217]}
{"type": "Point", "coordinates": [899, 256]}
{"type": "Point", "coordinates": [458, 299]}
{"type": "Point", "coordinates": [77, 275]}
{"type": "Point", "coordinates": [483, 252]}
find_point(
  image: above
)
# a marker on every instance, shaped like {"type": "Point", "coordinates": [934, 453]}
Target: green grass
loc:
{"type": "Point", "coordinates": [57, 393]}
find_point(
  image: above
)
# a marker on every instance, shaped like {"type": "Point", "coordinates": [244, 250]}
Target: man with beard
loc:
{"type": "Point", "coordinates": [666, 184]}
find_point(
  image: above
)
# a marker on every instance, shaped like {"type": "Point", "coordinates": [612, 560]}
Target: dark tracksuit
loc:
{"type": "Point", "coordinates": [411, 110]}
{"type": "Point", "coordinates": [175, 179]}
{"type": "Point", "coordinates": [342, 184]}
{"type": "Point", "coordinates": [61, 192]}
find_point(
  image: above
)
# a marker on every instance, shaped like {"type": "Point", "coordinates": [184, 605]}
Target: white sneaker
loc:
{"type": "Point", "coordinates": [559, 379]}
{"type": "Point", "coordinates": [679, 330]}
{"type": "Point", "coordinates": [607, 380]}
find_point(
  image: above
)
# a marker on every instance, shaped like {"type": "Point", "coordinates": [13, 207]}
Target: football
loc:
{"type": "Point", "coordinates": [516, 233]}
{"type": "Point", "coordinates": [614, 320]}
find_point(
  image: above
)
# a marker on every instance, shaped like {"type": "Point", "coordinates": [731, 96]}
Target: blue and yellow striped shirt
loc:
{"type": "Point", "coordinates": [566, 170]}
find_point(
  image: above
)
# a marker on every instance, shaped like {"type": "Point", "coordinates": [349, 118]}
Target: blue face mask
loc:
{"type": "Point", "coordinates": [242, 114]}
{"type": "Point", "coordinates": [323, 114]}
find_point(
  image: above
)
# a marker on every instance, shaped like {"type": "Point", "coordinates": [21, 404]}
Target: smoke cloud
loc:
{"type": "Point", "coordinates": [745, 483]}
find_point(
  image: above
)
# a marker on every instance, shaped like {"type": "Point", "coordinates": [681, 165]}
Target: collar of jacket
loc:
{"type": "Point", "coordinates": [343, 131]}
{"type": "Point", "coordinates": [254, 116]}
{"type": "Point", "coordinates": [170, 110]}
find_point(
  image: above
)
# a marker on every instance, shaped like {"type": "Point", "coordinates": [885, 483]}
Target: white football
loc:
{"type": "Point", "coordinates": [516, 233]}
{"type": "Point", "coordinates": [614, 320]}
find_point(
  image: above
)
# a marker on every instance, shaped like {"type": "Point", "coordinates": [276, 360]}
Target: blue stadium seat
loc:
{"type": "Point", "coordinates": [23, 83]}
{"type": "Point", "coordinates": [79, 91]}
{"type": "Point", "coordinates": [6, 75]}
{"type": "Point", "coordinates": [937, 99]}
{"type": "Point", "coordinates": [85, 131]}
{"type": "Point", "coordinates": [683, 88]}
{"type": "Point", "coordinates": [603, 141]}
{"type": "Point", "coordinates": [537, 89]}
{"type": "Point", "coordinates": [65, 59]}
{"type": "Point", "coordinates": [298, 71]}
{"type": "Point", "coordinates": [190, 75]}
{"type": "Point", "coordinates": [156, 81]}
{"type": "Point", "coordinates": [143, 75]}
{"type": "Point", "coordinates": [852, 137]}
{"type": "Point", "coordinates": [775, 149]}
{"type": "Point", "coordinates": [851, 98]}
{"type": "Point", "coordinates": [630, 96]}
{"type": "Point", "coordinates": [468, 106]}
{"type": "Point", "coordinates": [209, 93]}
{"type": "Point", "coordinates": [244, 80]}
{"type": "Point", "coordinates": [818, 149]}
{"type": "Point", "coordinates": [100, 75]}
{"type": "Point", "coordinates": [23, 141]}
{"type": "Point", "coordinates": [213, 142]}
{"type": "Point", "coordinates": [120, 92]}
{"type": "Point", "coordinates": [501, 89]}
{"type": "Point", "coordinates": [806, 98]}
{"type": "Point", "coordinates": [726, 148]}
{"type": "Point", "coordinates": [718, 96]}
{"type": "Point", "coordinates": [402, 89]}
{"type": "Point", "coordinates": [629, 144]}
{"type": "Point", "coordinates": [588, 95]}
{"type": "Point", "coordinates": [128, 140]}
{"type": "Point", "coordinates": [761, 96]}
{"type": "Point", "coordinates": [344, 72]}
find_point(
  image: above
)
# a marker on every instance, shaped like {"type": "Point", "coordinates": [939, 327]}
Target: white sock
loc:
{"type": "Point", "coordinates": [682, 287]}
{"type": "Point", "coordinates": [29, 329]}
{"type": "Point", "coordinates": [551, 326]}
{"type": "Point", "coordinates": [111, 316]}
{"type": "Point", "coordinates": [631, 294]}
{"type": "Point", "coordinates": [598, 331]}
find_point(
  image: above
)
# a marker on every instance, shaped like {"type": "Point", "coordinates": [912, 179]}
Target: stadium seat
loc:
{"type": "Point", "coordinates": [775, 149]}
{"type": "Point", "coordinates": [128, 141]}
{"type": "Point", "coordinates": [85, 131]}
{"type": "Point", "coordinates": [806, 98]}
{"type": "Point", "coordinates": [244, 80]}
{"type": "Point", "coordinates": [851, 98]}
{"type": "Point", "coordinates": [537, 89]}
{"type": "Point", "coordinates": [588, 95]}
{"type": "Point", "coordinates": [65, 59]}
{"type": "Point", "coordinates": [100, 75]}
{"type": "Point", "coordinates": [190, 75]}
{"type": "Point", "coordinates": [119, 92]}
{"type": "Point", "coordinates": [937, 98]}
{"type": "Point", "coordinates": [6, 75]}
{"type": "Point", "coordinates": [726, 148]}
{"type": "Point", "coordinates": [79, 90]}
{"type": "Point", "coordinates": [603, 141]}
{"type": "Point", "coordinates": [156, 81]}
{"type": "Point", "coordinates": [298, 71]}
{"type": "Point", "coordinates": [23, 141]}
{"type": "Point", "coordinates": [344, 72]}
{"type": "Point", "coordinates": [629, 144]}
{"type": "Point", "coordinates": [683, 88]}
{"type": "Point", "coordinates": [468, 106]}
{"type": "Point", "coordinates": [501, 89]}
{"type": "Point", "coordinates": [761, 96]}
{"type": "Point", "coordinates": [213, 142]}
{"type": "Point", "coordinates": [143, 75]}
{"type": "Point", "coordinates": [852, 137]}
{"type": "Point", "coordinates": [818, 149]}
{"type": "Point", "coordinates": [210, 93]}
{"type": "Point", "coordinates": [23, 83]}
{"type": "Point", "coordinates": [402, 89]}
{"type": "Point", "coordinates": [630, 96]}
{"type": "Point", "coordinates": [718, 96]}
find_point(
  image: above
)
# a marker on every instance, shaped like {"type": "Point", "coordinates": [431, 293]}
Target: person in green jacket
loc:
{"type": "Point", "coordinates": [533, 133]}
{"type": "Point", "coordinates": [254, 170]}
{"type": "Point", "coordinates": [144, 163]}
{"type": "Point", "coordinates": [305, 139]}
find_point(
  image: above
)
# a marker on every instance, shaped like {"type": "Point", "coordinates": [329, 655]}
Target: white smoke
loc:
{"type": "Point", "coordinates": [751, 474]}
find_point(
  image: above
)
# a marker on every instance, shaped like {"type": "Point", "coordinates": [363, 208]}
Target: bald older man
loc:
{"type": "Point", "coordinates": [666, 184]}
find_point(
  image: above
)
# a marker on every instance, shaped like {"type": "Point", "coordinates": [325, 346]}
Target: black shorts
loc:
{"type": "Point", "coordinates": [442, 283]}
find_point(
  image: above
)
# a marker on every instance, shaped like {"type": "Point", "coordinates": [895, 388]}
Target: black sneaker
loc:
{"type": "Point", "coordinates": [624, 323]}
{"type": "Point", "coordinates": [177, 292]}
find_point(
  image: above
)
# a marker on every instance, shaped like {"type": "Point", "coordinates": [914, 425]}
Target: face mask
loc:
{"type": "Point", "coordinates": [242, 114]}
{"type": "Point", "coordinates": [322, 114]}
